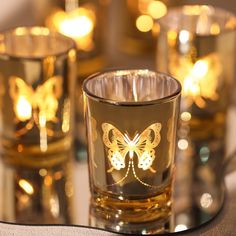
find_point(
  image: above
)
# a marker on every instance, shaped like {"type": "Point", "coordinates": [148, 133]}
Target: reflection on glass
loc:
{"type": "Point", "coordinates": [180, 227]}
{"type": "Point", "coordinates": [37, 196]}
{"type": "Point", "coordinates": [206, 200]}
{"type": "Point", "coordinates": [26, 186]}
{"type": "Point", "coordinates": [43, 196]}
{"type": "Point", "coordinates": [199, 81]}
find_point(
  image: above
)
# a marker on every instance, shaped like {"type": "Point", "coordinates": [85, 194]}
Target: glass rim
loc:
{"type": "Point", "coordinates": [36, 31]}
{"type": "Point", "coordinates": [167, 25]}
{"type": "Point", "coordinates": [94, 97]}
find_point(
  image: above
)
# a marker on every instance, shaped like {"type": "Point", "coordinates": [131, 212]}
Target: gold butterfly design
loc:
{"type": "Point", "coordinates": [37, 106]}
{"type": "Point", "coordinates": [143, 145]}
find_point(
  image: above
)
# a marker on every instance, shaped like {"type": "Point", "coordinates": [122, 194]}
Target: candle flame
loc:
{"type": "Point", "coordinates": [78, 24]}
{"type": "Point", "coordinates": [23, 109]}
{"type": "Point", "coordinates": [199, 80]}
{"type": "Point", "coordinates": [35, 106]}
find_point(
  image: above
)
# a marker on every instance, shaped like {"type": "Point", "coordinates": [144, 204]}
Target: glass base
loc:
{"type": "Point", "coordinates": [163, 225]}
{"type": "Point", "coordinates": [143, 210]}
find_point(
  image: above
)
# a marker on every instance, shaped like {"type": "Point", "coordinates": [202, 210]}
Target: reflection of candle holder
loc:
{"type": "Point", "coordinates": [140, 26]}
{"type": "Point", "coordinates": [197, 46]}
{"type": "Point", "coordinates": [37, 80]}
{"type": "Point", "coordinates": [37, 196]}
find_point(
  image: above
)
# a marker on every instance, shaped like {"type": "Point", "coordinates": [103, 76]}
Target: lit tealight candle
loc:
{"type": "Point", "coordinates": [77, 24]}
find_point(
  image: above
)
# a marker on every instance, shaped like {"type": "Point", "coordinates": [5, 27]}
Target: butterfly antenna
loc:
{"type": "Point", "coordinates": [126, 138]}
{"type": "Point", "coordinates": [136, 138]}
{"type": "Point", "coordinates": [136, 177]}
{"type": "Point", "coordinates": [126, 174]}
{"type": "Point", "coordinates": [152, 170]}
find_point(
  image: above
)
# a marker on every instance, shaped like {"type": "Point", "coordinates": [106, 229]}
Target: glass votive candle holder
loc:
{"type": "Point", "coordinates": [37, 69]}
{"type": "Point", "coordinates": [197, 46]}
{"type": "Point", "coordinates": [131, 118]}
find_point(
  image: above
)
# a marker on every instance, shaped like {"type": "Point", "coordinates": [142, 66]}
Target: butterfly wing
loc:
{"type": "Point", "coordinates": [148, 140]}
{"type": "Point", "coordinates": [117, 147]}
{"type": "Point", "coordinates": [22, 96]}
{"type": "Point", "coordinates": [46, 97]}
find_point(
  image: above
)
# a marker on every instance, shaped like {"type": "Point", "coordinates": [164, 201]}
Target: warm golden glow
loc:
{"type": "Point", "coordinates": [48, 180]}
{"type": "Point", "coordinates": [184, 36]}
{"type": "Point", "coordinates": [231, 23]}
{"type": "Point", "coordinates": [70, 27]}
{"type": "Point", "coordinates": [72, 55]}
{"type": "Point", "coordinates": [35, 106]}
{"type": "Point", "coordinates": [157, 9]}
{"type": "Point", "coordinates": [195, 10]}
{"type": "Point", "coordinates": [215, 29]}
{"type": "Point", "coordinates": [20, 31]}
{"type": "Point", "coordinates": [58, 175]}
{"type": "Point", "coordinates": [199, 80]}
{"type": "Point", "coordinates": [77, 24]}
{"type": "Point", "coordinates": [206, 200]}
{"type": "Point", "coordinates": [148, 11]}
{"type": "Point", "coordinates": [43, 172]}
{"type": "Point", "coordinates": [156, 29]}
{"type": "Point", "coordinates": [121, 145]}
{"type": "Point", "coordinates": [26, 186]}
{"type": "Point", "coordinates": [200, 69]}
{"type": "Point", "coordinates": [23, 109]}
{"type": "Point", "coordinates": [34, 31]}
{"type": "Point", "coordinates": [182, 144]}
{"type": "Point", "coordinates": [43, 132]}
{"type": "Point", "coordinates": [40, 31]}
{"type": "Point", "coordinates": [197, 83]}
{"type": "Point", "coordinates": [20, 148]}
{"type": "Point", "coordinates": [66, 117]}
{"type": "Point", "coordinates": [144, 23]}
{"type": "Point", "coordinates": [54, 206]}
{"type": "Point", "coordinates": [180, 227]}
{"type": "Point", "coordinates": [186, 116]}
{"type": "Point", "coordinates": [69, 189]}
{"type": "Point", "coordinates": [142, 5]}
{"type": "Point", "coordinates": [171, 37]}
